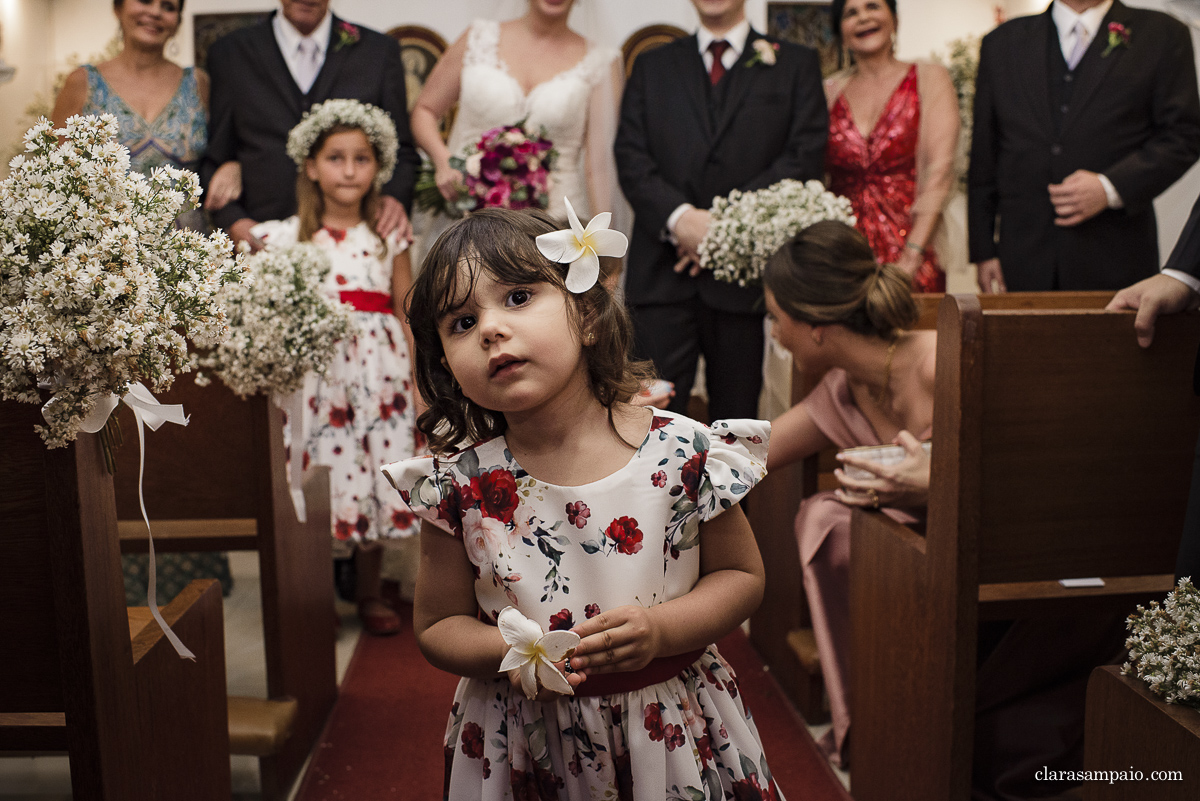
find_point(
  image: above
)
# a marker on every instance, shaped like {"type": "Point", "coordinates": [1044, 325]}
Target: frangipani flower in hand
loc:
{"type": "Point", "coordinates": [581, 248]}
{"type": "Point", "coordinates": [535, 653]}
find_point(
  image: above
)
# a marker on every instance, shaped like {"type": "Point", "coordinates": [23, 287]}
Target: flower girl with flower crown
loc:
{"type": "Point", "coordinates": [361, 415]}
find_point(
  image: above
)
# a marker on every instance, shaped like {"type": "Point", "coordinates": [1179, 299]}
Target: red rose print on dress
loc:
{"type": "Point", "coordinates": [692, 473]}
{"type": "Point", "coordinates": [653, 721]}
{"type": "Point", "coordinates": [625, 535]}
{"type": "Point", "coordinates": [578, 513]}
{"type": "Point", "coordinates": [673, 736]}
{"type": "Point", "coordinates": [659, 479]}
{"type": "Point", "coordinates": [496, 492]}
{"type": "Point", "coordinates": [339, 416]}
{"type": "Point", "coordinates": [403, 519]}
{"type": "Point", "coordinates": [562, 621]}
{"type": "Point", "coordinates": [591, 610]}
{"type": "Point", "coordinates": [472, 740]}
{"type": "Point", "coordinates": [657, 422]}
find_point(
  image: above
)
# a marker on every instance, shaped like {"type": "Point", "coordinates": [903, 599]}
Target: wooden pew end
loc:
{"type": "Point", "coordinates": [259, 727]}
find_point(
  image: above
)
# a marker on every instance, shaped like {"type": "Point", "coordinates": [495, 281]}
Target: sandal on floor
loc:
{"type": "Point", "coordinates": [377, 617]}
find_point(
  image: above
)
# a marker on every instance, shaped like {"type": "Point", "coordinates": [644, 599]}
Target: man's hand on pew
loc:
{"type": "Point", "coordinates": [901, 485]}
{"type": "Point", "coordinates": [1158, 294]}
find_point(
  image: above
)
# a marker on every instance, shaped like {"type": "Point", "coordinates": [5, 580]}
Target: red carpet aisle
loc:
{"type": "Point", "coordinates": [384, 739]}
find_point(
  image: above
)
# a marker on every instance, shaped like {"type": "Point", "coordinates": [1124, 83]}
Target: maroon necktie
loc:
{"type": "Point", "coordinates": [717, 48]}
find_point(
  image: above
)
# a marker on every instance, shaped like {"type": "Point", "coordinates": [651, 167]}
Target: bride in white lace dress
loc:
{"type": "Point", "coordinates": [536, 69]}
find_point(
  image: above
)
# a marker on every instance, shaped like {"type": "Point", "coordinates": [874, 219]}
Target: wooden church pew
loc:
{"type": "Point", "coordinates": [81, 674]}
{"type": "Point", "coordinates": [781, 628]}
{"type": "Point", "coordinates": [219, 484]}
{"type": "Point", "coordinates": [1061, 450]}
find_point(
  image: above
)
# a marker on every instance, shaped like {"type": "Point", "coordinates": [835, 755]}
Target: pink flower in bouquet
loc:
{"type": "Point", "coordinates": [508, 167]}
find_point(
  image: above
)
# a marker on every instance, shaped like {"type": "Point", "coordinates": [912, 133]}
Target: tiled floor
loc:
{"type": "Point", "coordinates": [48, 778]}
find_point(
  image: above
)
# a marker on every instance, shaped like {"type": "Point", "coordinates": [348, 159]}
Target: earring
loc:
{"type": "Point", "coordinates": [589, 339]}
{"type": "Point", "coordinates": [172, 49]}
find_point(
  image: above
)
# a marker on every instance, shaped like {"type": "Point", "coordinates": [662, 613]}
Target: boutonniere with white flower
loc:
{"type": "Point", "coordinates": [764, 53]}
{"type": "Point", "coordinates": [1118, 36]}
{"type": "Point", "coordinates": [347, 35]}
{"type": "Point", "coordinates": [535, 653]}
{"type": "Point", "coordinates": [582, 247]}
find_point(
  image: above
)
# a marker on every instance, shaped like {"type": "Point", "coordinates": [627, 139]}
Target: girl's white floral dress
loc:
{"type": "Point", "coordinates": [564, 554]}
{"type": "Point", "coordinates": [360, 416]}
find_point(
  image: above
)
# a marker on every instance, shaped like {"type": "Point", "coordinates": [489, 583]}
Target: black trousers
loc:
{"type": "Point", "coordinates": [674, 335]}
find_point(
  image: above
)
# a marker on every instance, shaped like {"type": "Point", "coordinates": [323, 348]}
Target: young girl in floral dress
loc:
{"type": "Point", "coordinates": [360, 415]}
{"type": "Point", "coordinates": [582, 513]}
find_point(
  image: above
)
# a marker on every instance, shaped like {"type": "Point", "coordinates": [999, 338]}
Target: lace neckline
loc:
{"type": "Point", "coordinates": [487, 40]}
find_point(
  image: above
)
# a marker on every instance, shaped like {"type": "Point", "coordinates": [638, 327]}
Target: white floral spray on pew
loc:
{"type": "Point", "coordinates": [98, 289]}
{"type": "Point", "coordinates": [1164, 645]}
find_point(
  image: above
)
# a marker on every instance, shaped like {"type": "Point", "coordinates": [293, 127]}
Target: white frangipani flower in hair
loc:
{"type": "Point", "coordinates": [581, 248]}
{"type": "Point", "coordinates": [535, 653]}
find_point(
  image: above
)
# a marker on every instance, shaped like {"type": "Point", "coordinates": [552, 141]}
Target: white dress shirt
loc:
{"type": "Point", "coordinates": [736, 37]}
{"type": "Point", "coordinates": [1065, 19]}
{"type": "Point", "coordinates": [289, 40]}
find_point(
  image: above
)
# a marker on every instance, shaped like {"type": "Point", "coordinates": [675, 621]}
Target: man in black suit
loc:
{"type": "Point", "coordinates": [697, 121]}
{"type": "Point", "coordinates": [1083, 115]}
{"type": "Point", "coordinates": [266, 76]}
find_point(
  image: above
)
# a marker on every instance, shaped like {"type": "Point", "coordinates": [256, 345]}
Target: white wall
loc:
{"type": "Point", "coordinates": [41, 35]}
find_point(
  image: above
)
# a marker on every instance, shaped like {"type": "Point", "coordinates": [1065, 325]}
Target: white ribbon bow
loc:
{"type": "Point", "coordinates": [535, 653]}
{"type": "Point", "coordinates": [148, 412]}
{"type": "Point", "coordinates": [581, 248]}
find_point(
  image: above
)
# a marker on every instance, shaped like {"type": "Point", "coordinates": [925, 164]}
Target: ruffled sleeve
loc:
{"type": "Point", "coordinates": [429, 490]}
{"type": "Point", "coordinates": [736, 460]}
{"type": "Point", "coordinates": [278, 233]}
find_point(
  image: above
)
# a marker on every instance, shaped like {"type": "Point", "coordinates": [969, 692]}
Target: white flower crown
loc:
{"type": "Point", "coordinates": [373, 121]}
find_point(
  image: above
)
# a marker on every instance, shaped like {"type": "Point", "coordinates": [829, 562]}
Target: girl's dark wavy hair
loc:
{"type": "Point", "coordinates": [501, 243]}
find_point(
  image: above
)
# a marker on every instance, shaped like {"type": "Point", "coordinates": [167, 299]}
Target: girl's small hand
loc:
{"type": "Point", "coordinates": [545, 693]}
{"type": "Point", "coordinates": [449, 182]}
{"type": "Point", "coordinates": [617, 641]}
{"type": "Point", "coordinates": [898, 485]}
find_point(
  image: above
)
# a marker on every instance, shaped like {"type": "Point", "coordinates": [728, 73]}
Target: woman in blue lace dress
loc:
{"type": "Point", "coordinates": [162, 110]}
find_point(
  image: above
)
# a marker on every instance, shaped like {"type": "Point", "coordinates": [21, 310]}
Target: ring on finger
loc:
{"type": "Point", "coordinates": [874, 496]}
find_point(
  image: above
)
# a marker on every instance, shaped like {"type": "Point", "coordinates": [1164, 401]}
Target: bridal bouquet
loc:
{"type": "Point", "coordinates": [98, 289]}
{"type": "Point", "coordinates": [281, 325]}
{"type": "Point", "coordinates": [1164, 645]}
{"type": "Point", "coordinates": [508, 167]}
{"type": "Point", "coordinates": [748, 227]}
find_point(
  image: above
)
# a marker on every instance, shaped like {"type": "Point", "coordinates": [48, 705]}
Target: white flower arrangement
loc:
{"type": "Point", "coordinates": [376, 123]}
{"type": "Point", "coordinates": [281, 324]}
{"type": "Point", "coordinates": [1164, 645]}
{"type": "Point", "coordinates": [748, 227]}
{"type": "Point", "coordinates": [97, 288]}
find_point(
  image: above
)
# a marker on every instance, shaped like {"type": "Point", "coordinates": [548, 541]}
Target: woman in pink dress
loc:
{"type": "Point", "coordinates": [893, 130]}
{"type": "Point", "coordinates": [841, 313]}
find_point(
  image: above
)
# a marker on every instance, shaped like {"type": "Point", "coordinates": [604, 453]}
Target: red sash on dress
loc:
{"type": "Point", "coordinates": [659, 670]}
{"type": "Point", "coordinates": [365, 301]}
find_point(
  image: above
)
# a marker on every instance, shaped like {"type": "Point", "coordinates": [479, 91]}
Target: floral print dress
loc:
{"type": "Point", "coordinates": [360, 416]}
{"type": "Point", "coordinates": [564, 554]}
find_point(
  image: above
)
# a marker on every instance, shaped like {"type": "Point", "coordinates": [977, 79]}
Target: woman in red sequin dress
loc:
{"type": "Point", "coordinates": [893, 129]}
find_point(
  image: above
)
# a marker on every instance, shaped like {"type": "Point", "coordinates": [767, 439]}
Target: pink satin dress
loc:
{"type": "Point", "coordinates": [879, 176]}
{"type": "Point", "coordinates": [823, 535]}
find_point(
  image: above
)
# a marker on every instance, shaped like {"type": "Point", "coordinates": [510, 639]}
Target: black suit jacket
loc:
{"type": "Point", "coordinates": [773, 125]}
{"type": "Point", "coordinates": [1134, 116]}
{"type": "Point", "coordinates": [255, 102]}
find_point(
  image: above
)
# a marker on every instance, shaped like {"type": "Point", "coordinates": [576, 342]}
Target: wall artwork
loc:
{"type": "Point", "coordinates": [208, 28]}
{"type": "Point", "coordinates": [806, 24]}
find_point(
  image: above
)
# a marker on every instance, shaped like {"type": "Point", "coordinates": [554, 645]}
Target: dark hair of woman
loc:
{"type": "Point", "coordinates": [835, 15]}
{"type": "Point", "coordinates": [828, 275]}
{"type": "Point", "coordinates": [120, 3]}
{"type": "Point", "coordinates": [501, 243]}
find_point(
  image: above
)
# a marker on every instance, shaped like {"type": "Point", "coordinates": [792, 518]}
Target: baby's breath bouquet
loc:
{"type": "Point", "coordinates": [98, 289]}
{"type": "Point", "coordinates": [748, 227]}
{"type": "Point", "coordinates": [281, 324]}
{"type": "Point", "coordinates": [1164, 645]}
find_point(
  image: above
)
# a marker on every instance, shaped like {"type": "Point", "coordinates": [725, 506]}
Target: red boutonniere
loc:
{"type": "Point", "coordinates": [764, 53]}
{"type": "Point", "coordinates": [347, 35]}
{"type": "Point", "coordinates": [1118, 36]}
